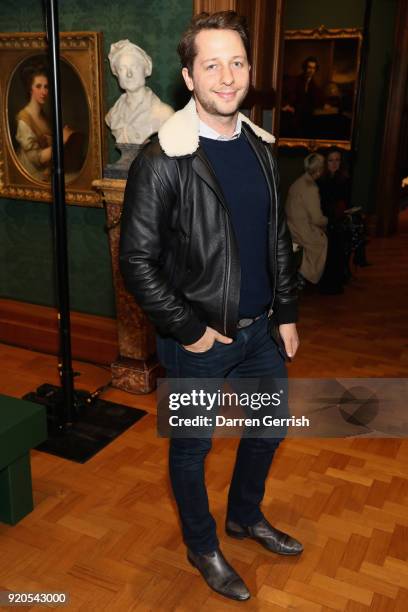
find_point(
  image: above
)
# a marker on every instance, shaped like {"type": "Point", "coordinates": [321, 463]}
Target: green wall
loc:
{"type": "Point", "coordinates": [26, 247]}
{"type": "Point", "coordinates": [350, 14]}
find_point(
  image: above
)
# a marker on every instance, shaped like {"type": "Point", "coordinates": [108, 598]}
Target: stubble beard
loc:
{"type": "Point", "coordinates": [211, 107]}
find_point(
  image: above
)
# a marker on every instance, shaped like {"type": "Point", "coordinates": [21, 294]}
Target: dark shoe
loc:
{"type": "Point", "coordinates": [360, 257]}
{"type": "Point", "coordinates": [219, 575]}
{"type": "Point", "coordinates": [347, 276]}
{"type": "Point", "coordinates": [272, 539]}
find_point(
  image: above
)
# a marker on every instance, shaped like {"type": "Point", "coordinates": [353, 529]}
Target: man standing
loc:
{"type": "Point", "coordinates": [206, 252]}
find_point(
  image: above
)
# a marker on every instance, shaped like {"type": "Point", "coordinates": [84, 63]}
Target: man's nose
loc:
{"type": "Point", "coordinates": [227, 76]}
{"type": "Point", "coordinates": [129, 72]}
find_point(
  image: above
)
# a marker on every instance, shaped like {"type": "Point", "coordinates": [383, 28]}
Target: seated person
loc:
{"type": "Point", "coordinates": [305, 219]}
{"type": "Point", "coordinates": [346, 233]}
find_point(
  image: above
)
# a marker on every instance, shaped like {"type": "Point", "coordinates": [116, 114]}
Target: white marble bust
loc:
{"type": "Point", "coordinates": [138, 113]}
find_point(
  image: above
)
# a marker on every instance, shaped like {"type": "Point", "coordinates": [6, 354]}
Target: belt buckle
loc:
{"type": "Point", "coordinates": [242, 323]}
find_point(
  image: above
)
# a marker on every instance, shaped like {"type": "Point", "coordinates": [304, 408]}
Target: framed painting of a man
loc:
{"type": "Point", "coordinates": [26, 132]}
{"type": "Point", "coordinates": [319, 89]}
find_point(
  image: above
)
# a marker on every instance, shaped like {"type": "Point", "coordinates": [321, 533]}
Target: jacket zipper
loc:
{"type": "Point", "coordinates": [227, 231]}
{"type": "Point", "coordinates": [276, 216]}
{"type": "Point", "coordinates": [276, 233]}
{"type": "Point", "coordinates": [228, 275]}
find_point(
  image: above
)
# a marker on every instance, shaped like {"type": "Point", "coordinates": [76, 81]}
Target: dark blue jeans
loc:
{"type": "Point", "coordinates": [253, 354]}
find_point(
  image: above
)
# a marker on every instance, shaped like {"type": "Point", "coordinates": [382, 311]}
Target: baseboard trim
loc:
{"type": "Point", "coordinates": [35, 327]}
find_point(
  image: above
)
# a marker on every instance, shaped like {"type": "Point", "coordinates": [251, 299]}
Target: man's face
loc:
{"type": "Point", "coordinates": [220, 78]}
{"type": "Point", "coordinates": [311, 68]}
{"type": "Point", "coordinates": [130, 71]}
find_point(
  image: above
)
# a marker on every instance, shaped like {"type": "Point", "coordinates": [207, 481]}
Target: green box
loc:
{"type": "Point", "coordinates": [23, 425]}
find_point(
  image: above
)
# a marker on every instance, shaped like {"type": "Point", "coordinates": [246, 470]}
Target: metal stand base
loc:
{"type": "Point", "coordinates": [97, 422]}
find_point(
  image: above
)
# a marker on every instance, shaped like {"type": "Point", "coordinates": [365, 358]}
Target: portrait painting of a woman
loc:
{"type": "Point", "coordinates": [33, 128]}
{"type": "Point", "coordinates": [27, 106]}
{"type": "Point", "coordinates": [33, 133]}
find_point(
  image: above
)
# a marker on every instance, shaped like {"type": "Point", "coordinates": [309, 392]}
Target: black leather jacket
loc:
{"type": "Point", "coordinates": [178, 252]}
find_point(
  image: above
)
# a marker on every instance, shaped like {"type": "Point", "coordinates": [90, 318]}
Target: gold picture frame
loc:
{"type": "Point", "coordinates": [321, 70]}
{"type": "Point", "coordinates": [25, 132]}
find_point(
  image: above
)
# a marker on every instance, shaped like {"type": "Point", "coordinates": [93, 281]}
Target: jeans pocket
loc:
{"type": "Point", "coordinates": [195, 353]}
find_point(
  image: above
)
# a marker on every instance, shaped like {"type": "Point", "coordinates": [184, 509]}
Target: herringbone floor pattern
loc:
{"type": "Point", "coordinates": [107, 531]}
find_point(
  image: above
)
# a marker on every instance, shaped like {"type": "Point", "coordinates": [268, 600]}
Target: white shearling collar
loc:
{"type": "Point", "coordinates": [179, 135]}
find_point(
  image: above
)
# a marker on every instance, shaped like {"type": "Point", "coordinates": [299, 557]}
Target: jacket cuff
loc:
{"type": "Point", "coordinates": [190, 332]}
{"type": "Point", "coordinates": [286, 313]}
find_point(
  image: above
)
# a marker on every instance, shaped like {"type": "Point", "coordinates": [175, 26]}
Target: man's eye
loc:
{"type": "Point", "coordinates": [238, 64]}
{"type": "Point", "coordinates": [211, 66]}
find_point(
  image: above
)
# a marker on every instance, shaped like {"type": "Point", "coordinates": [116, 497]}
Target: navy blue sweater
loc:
{"type": "Point", "coordinates": [247, 196]}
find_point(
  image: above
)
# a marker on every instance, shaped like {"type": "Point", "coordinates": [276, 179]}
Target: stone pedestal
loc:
{"type": "Point", "coordinates": [137, 369]}
{"type": "Point", "coordinates": [120, 169]}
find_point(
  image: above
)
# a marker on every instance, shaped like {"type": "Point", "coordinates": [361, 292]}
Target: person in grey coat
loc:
{"type": "Point", "coordinates": [305, 219]}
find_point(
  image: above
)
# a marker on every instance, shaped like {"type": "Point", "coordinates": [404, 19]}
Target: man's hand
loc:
{"type": "Point", "coordinates": [206, 341]}
{"type": "Point", "coordinates": [290, 338]}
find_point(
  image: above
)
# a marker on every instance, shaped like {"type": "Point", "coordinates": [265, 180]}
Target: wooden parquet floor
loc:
{"type": "Point", "coordinates": [107, 531]}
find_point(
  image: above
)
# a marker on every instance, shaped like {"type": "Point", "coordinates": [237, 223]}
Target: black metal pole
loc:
{"type": "Point", "coordinates": [59, 216]}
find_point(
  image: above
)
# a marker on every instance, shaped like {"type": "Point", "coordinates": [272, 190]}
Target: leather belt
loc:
{"type": "Point", "coordinates": [242, 323]}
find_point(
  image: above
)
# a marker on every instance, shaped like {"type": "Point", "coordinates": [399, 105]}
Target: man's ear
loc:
{"type": "Point", "coordinates": [187, 79]}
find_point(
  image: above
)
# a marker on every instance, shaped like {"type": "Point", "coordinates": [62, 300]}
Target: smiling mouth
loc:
{"type": "Point", "coordinates": [226, 95]}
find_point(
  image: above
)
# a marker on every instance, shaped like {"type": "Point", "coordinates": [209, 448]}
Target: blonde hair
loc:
{"type": "Point", "coordinates": [313, 163]}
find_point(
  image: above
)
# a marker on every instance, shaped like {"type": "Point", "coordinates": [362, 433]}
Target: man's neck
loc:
{"type": "Point", "coordinates": [224, 125]}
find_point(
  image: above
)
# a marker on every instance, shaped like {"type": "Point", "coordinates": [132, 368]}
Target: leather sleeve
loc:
{"type": "Point", "coordinates": [142, 251]}
{"type": "Point", "coordinates": [286, 298]}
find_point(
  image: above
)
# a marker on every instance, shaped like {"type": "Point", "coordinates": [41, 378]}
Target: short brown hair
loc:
{"type": "Point", "coordinates": [223, 20]}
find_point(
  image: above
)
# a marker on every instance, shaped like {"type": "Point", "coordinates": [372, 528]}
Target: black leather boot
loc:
{"type": "Point", "coordinates": [219, 575]}
{"type": "Point", "coordinates": [271, 538]}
